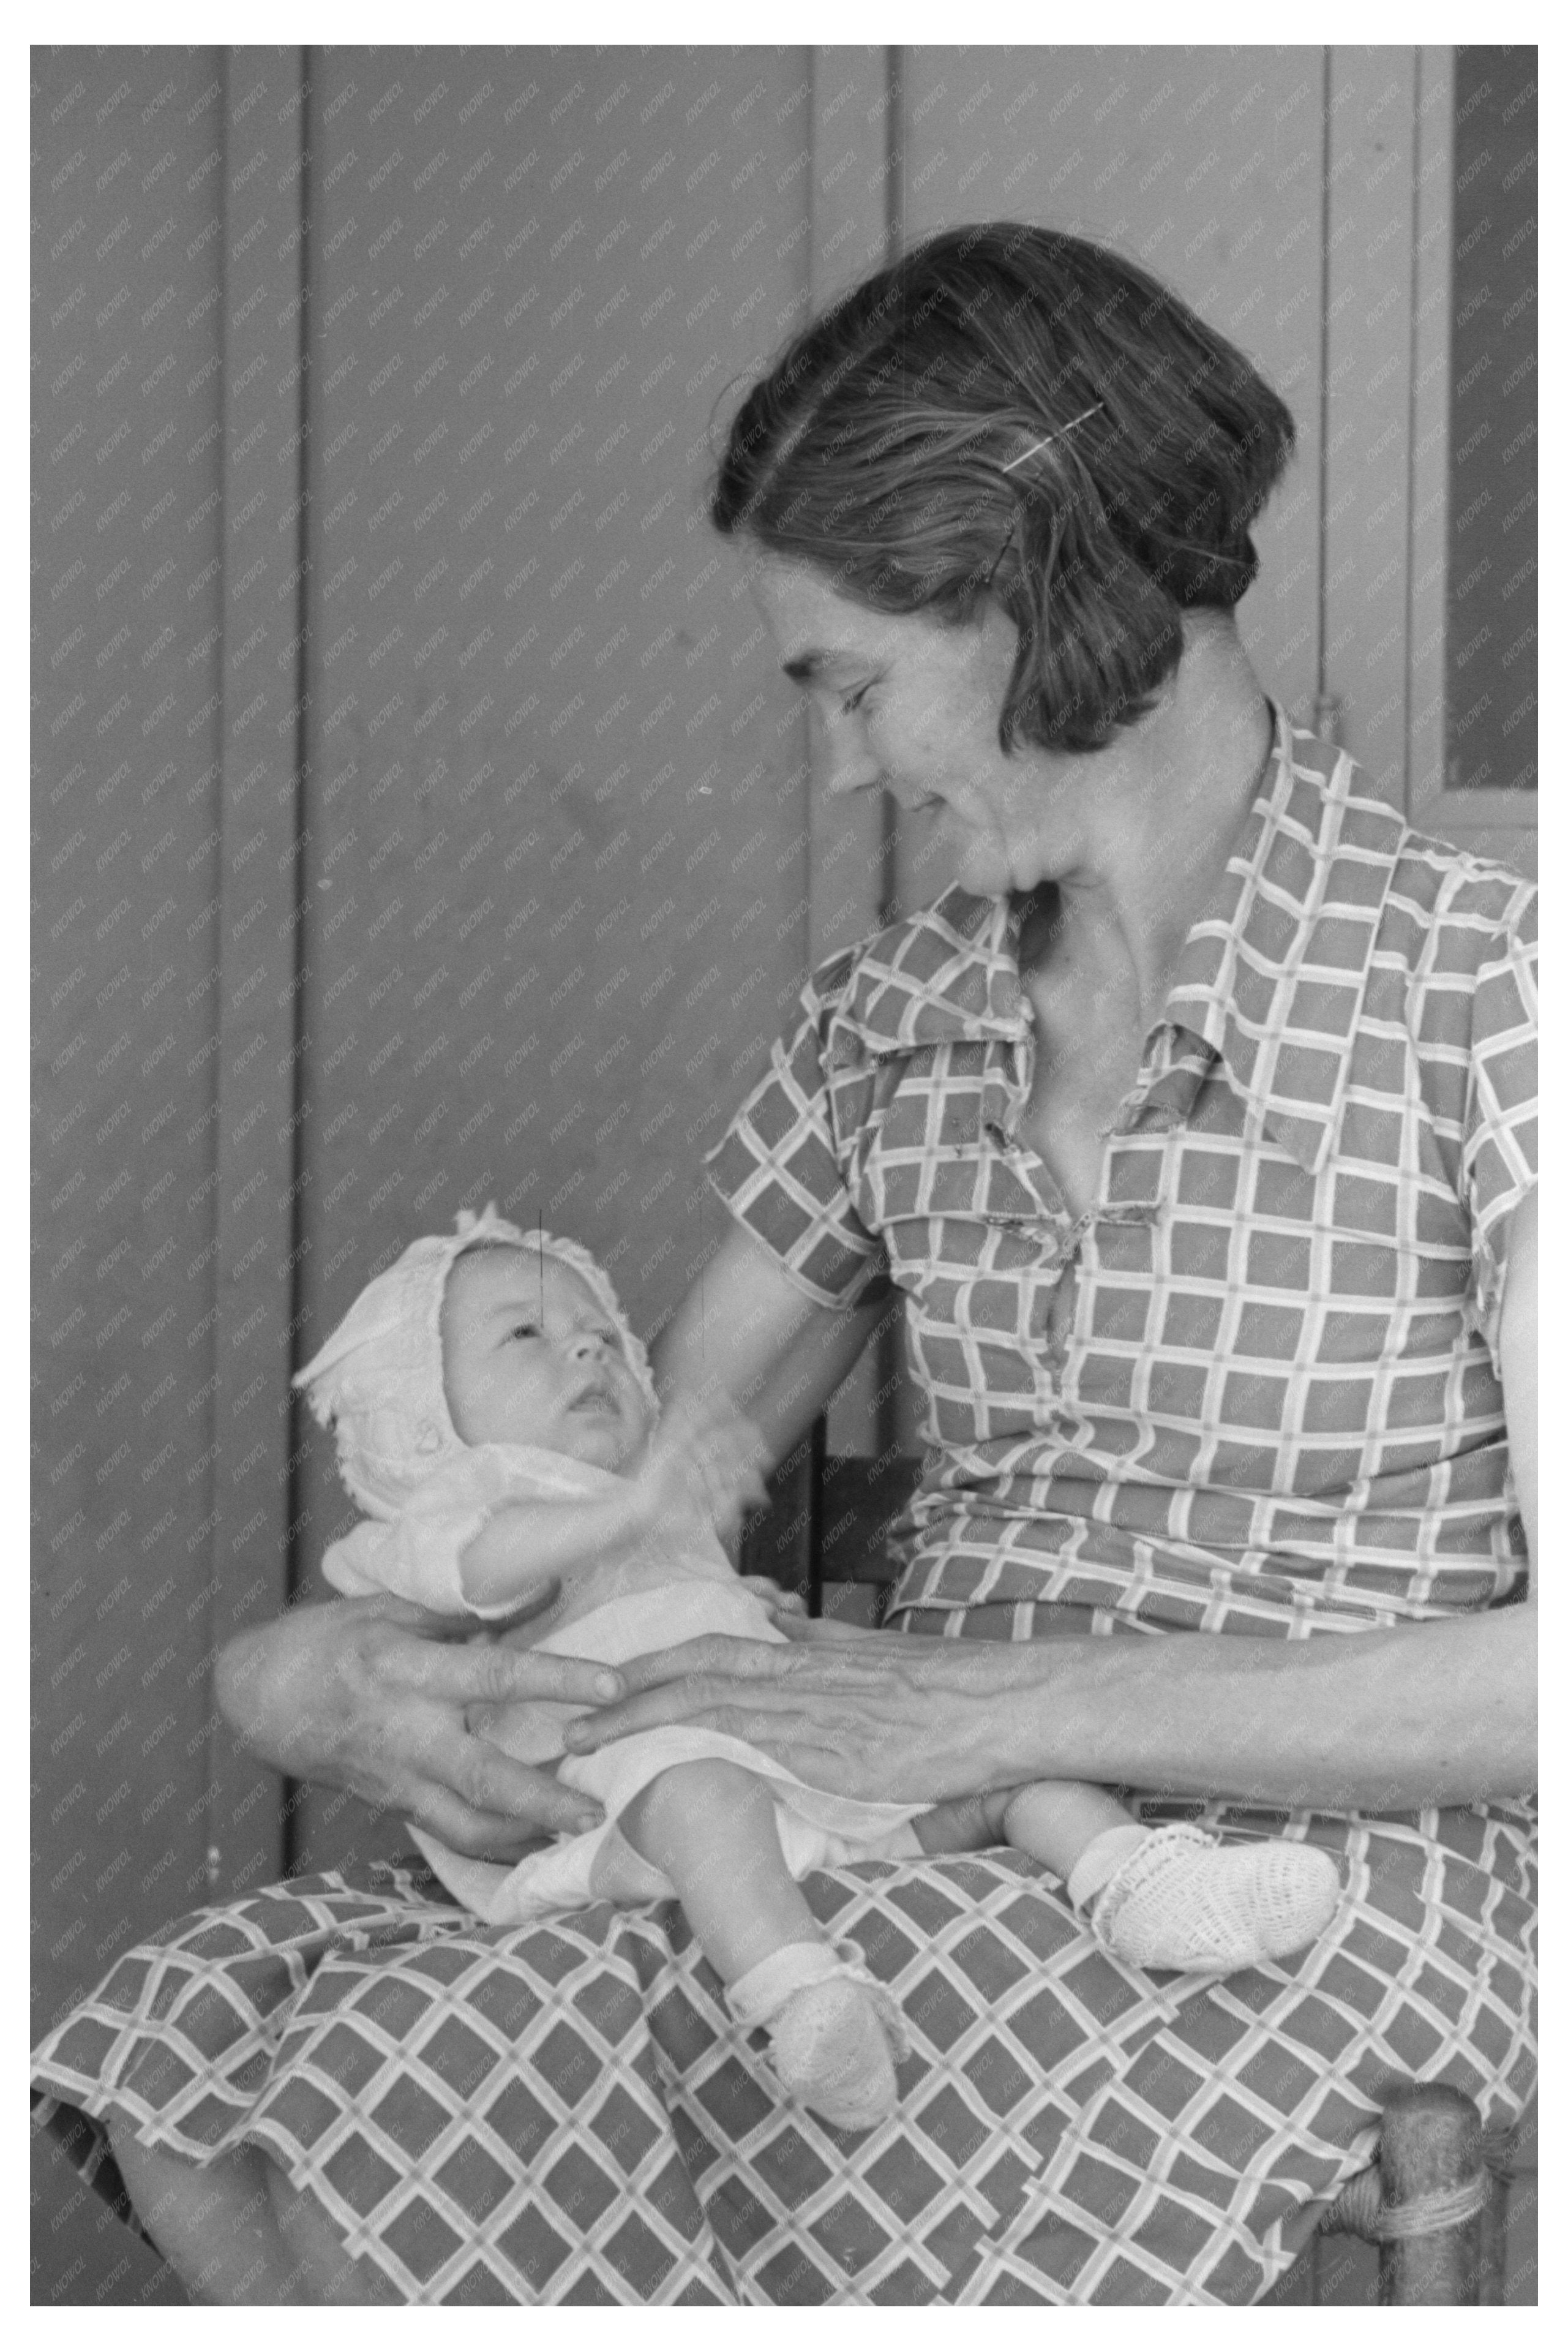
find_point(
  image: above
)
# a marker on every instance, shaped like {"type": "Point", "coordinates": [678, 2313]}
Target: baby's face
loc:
{"type": "Point", "coordinates": [529, 1358]}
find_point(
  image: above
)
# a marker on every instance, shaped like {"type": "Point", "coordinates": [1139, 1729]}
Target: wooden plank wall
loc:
{"type": "Point", "coordinates": [128, 203]}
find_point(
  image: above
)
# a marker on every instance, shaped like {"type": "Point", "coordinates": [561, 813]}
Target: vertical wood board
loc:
{"type": "Point", "coordinates": [126, 548]}
{"type": "Point", "coordinates": [555, 908]}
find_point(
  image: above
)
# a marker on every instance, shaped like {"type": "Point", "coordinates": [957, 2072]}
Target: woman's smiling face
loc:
{"type": "Point", "coordinates": [910, 705]}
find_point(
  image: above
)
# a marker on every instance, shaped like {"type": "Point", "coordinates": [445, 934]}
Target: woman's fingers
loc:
{"type": "Point", "coordinates": [370, 1696]}
{"type": "Point", "coordinates": [496, 1784]}
{"type": "Point", "coordinates": [774, 1597]}
{"type": "Point", "coordinates": [822, 1632]}
{"type": "Point", "coordinates": [496, 1675]}
{"type": "Point", "coordinates": [482, 1836]}
{"type": "Point", "coordinates": [693, 1702]}
{"type": "Point", "coordinates": [721, 1655]}
{"type": "Point", "coordinates": [481, 1801]}
{"type": "Point", "coordinates": [715, 1681]}
{"type": "Point", "coordinates": [469, 1829]}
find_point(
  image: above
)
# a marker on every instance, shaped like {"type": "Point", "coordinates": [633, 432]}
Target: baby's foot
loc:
{"type": "Point", "coordinates": [831, 2025]}
{"type": "Point", "coordinates": [1180, 1899]}
{"type": "Point", "coordinates": [830, 2052]}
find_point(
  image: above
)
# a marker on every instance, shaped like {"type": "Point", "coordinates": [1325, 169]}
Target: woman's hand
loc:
{"type": "Point", "coordinates": [866, 1714]}
{"type": "Point", "coordinates": [1435, 1713]}
{"type": "Point", "coordinates": [705, 1464]}
{"type": "Point", "coordinates": [370, 1696]}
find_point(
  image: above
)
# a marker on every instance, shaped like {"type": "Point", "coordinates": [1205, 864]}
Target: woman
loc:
{"type": "Point", "coordinates": [1194, 1124]}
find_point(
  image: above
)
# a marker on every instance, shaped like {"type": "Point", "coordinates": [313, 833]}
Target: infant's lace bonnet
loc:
{"type": "Point", "coordinates": [376, 1381]}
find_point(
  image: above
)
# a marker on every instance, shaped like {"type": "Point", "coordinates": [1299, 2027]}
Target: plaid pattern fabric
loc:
{"type": "Point", "coordinates": [1254, 1388]}
{"type": "Point", "coordinates": [566, 2113]}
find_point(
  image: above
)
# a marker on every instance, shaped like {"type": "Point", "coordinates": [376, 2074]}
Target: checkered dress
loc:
{"type": "Point", "coordinates": [1253, 1390]}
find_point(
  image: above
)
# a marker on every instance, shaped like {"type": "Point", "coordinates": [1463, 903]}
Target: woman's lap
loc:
{"type": "Point", "coordinates": [565, 2113]}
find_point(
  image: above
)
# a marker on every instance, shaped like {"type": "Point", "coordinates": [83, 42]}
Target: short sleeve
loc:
{"type": "Point", "coordinates": [1499, 1159]}
{"type": "Point", "coordinates": [416, 1556]}
{"type": "Point", "coordinates": [412, 1557]}
{"type": "Point", "coordinates": [778, 1171]}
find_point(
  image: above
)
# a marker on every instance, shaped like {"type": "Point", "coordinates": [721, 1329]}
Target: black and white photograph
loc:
{"type": "Point", "coordinates": [783, 846]}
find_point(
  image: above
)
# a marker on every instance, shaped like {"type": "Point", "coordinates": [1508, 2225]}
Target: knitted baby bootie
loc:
{"type": "Point", "coordinates": [835, 2030]}
{"type": "Point", "coordinates": [1178, 1898]}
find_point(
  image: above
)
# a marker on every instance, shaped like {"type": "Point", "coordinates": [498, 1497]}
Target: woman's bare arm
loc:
{"type": "Point", "coordinates": [745, 1331]}
{"type": "Point", "coordinates": [1435, 1713]}
{"type": "Point", "coordinates": [1438, 1713]}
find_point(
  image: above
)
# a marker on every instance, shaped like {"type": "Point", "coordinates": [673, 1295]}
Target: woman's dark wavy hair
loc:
{"type": "Point", "coordinates": [884, 449]}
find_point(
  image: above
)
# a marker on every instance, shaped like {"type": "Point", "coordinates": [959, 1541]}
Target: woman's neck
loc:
{"type": "Point", "coordinates": [1158, 813]}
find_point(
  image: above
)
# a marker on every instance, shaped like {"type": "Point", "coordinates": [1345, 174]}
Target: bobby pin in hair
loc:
{"type": "Point", "coordinates": [1035, 446]}
{"type": "Point", "coordinates": [1011, 466]}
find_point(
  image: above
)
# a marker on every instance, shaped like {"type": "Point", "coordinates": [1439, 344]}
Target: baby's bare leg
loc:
{"type": "Point", "coordinates": [1054, 1820]}
{"type": "Point", "coordinates": [709, 1826]}
{"type": "Point", "coordinates": [1058, 1819]}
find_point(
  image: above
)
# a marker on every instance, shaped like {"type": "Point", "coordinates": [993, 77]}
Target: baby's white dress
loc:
{"type": "Point", "coordinates": [607, 1617]}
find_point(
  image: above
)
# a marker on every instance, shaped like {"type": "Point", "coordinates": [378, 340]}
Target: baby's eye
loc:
{"type": "Point", "coordinates": [523, 1331]}
{"type": "Point", "coordinates": [852, 702]}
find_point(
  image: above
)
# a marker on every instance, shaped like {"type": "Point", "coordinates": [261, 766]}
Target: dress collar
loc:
{"type": "Point", "coordinates": [1271, 979]}
{"type": "Point", "coordinates": [948, 972]}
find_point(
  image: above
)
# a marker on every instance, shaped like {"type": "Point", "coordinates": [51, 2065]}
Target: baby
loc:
{"type": "Point", "coordinates": [496, 1417]}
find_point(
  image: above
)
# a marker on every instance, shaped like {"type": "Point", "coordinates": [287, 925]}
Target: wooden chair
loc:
{"type": "Point", "coordinates": [1434, 2201]}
